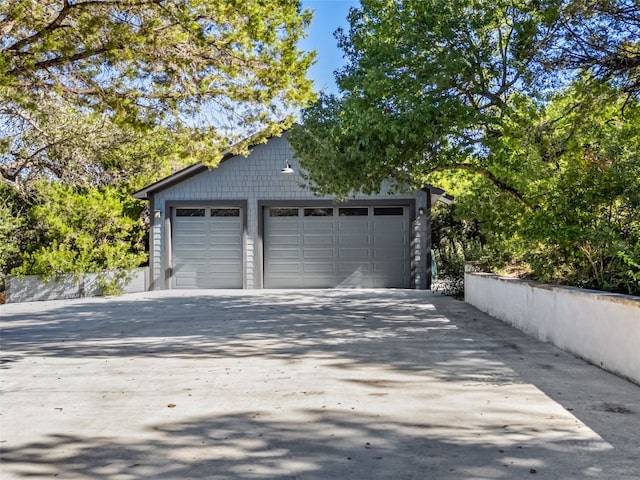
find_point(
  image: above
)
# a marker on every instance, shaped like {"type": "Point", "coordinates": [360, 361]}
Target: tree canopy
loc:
{"type": "Point", "coordinates": [531, 106]}
{"type": "Point", "coordinates": [85, 76]}
{"type": "Point", "coordinates": [600, 35]}
{"type": "Point", "coordinates": [100, 97]}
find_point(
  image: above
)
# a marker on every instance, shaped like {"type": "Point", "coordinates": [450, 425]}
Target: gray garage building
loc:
{"type": "Point", "coordinates": [246, 224]}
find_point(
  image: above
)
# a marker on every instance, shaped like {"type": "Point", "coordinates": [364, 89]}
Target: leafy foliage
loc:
{"type": "Point", "coordinates": [589, 219]}
{"type": "Point", "coordinates": [83, 231]}
{"type": "Point", "coordinates": [101, 97]}
{"type": "Point", "coordinates": [455, 242]}
{"type": "Point", "coordinates": [473, 93]}
{"type": "Point", "coordinates": [576, 162]}
{"type": "Point", "coordinates": [12, 226]}
{"type": "Point", "coordinates": [80, 77]}
{"type": "Point", "coordinates": [600, 36]}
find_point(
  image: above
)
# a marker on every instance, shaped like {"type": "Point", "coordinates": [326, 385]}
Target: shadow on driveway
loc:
{"type": "Point", "coordinates": [325, 384]}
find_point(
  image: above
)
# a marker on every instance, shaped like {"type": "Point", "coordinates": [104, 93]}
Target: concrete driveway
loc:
{"type": "Point", "coordinates": [300, 384]}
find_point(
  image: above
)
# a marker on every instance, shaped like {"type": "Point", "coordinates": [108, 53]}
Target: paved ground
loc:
{"type": "Point", "coordinates": [307, 385]}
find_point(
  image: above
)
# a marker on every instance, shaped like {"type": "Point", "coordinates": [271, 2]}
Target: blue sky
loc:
{"type": "Point", "coordinates": [328, 16]}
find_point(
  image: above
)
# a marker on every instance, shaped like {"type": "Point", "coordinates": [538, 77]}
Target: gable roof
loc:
{"type": "Point", "coordinates": [145, 193]}
{"type": "Point", "coordinates": [173, 179]}
{"type": "Point", "coordinates": [188, 172]}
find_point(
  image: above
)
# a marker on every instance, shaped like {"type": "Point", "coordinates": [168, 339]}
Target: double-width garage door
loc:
{"type": "Point", "coordinates": [354, 246]}
{"type": "Point", "coordinates": [207, 247]}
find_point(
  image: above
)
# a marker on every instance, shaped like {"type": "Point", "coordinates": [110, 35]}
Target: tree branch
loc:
{"type": "Point", "coordinates": [55, 24]}
{"type": "Point", "coordinates": [53, 62]}
{"type": "Point", "coordinates": [489, 176]}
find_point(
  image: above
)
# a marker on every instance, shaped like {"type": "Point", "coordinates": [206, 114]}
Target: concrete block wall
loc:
{"type": "Point", "coordinates": [254, 178]}
{"type": "Point", "coordinates": [602, 328]}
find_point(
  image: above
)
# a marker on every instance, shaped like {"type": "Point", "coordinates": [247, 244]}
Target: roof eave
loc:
{"type": "Point", "coordinates": [179, 176]}
{"type": "Point", "coordinates": [438, 194]}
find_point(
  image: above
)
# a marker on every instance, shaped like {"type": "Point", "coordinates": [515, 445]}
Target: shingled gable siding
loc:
{"type": "Point", "coordinates": [257, 178]}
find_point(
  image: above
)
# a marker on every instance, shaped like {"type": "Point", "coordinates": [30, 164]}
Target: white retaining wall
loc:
{"type": "Point", "coordinates": [32, 288]}
{"type": "Point", "coordinates": [602, 328]}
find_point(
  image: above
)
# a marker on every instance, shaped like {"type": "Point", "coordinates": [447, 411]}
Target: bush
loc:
{"type": "Point", "coordinates": [455, 242]}
{"type": "Point", "coordinates": [85, 230]}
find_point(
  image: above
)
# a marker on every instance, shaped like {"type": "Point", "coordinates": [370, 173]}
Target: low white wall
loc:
{"type": "Point", "coordinates": [603, 328]}
{"type": "Point", "coordinates": [31, 288]}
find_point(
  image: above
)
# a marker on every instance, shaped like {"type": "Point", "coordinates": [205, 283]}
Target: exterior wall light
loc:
{"type": "Point", "coordinates": [287, 168]}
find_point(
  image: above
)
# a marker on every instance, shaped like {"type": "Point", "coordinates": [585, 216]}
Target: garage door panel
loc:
{"type": "Point", "coordinates": [318, 240]}
{"type": "Point", "coordinates": [384, 282]}
{"type": "Point", "coordinates": [318, 281]}
{"type": "Point", "coordinates": [185, 221]}
{"type": "Point", "coordinates": [318, 268]}
{"type": "Point", "coordinates": [350, 267]}
{"type": "Point", "coordinates": [387, 254]}
{"type": "Point", "coordinates": [207, 250]}
{"type": "Point", "coordinates": [317, 225]}
{"type": "Point", "coordinates": [186, 250]}
{"type": "Point", "coordinates": [224, 268]}
{"type": "Point", "coordinates": [221, 281]}
{"type": "Point", "coordinates": [278, 268]}
{"type": "Point", "coordinates": [231, 238]}
{"type": "Point", "coordinates": [199, 228]}
{"type": "Point", "coordinates": [279, 240]}
{"type": "Point", "coordinates": [382, 227]}
{"type": "Point", "coordinates": [190, 237]}
{"type": "Point", "coordinates": [191, 270]}
{"type": "Point", "coordinates": [224, 257]}
{"type": "Point", "coordinates": [347, 256]}
{"type": "Point", "coordinates": [392, 267]}
{"type": "Point", "coordinates": [185, 283]}
{"type": "Point", "coordinates": [355, 279]}
{"type": "Point", "coordinates": [194, 228]}
{"type": "Point", "coordinates": [189, 260]}
{"type": "Point", "coordinates": [225, 242]}
{"type": "Point", "coordinates": [354, 239]}
{"type": "Point", "coordinates": [278, 225]}
{"type": "Point", "coordinates": [353, 225]}
{"type": "Point", "coordinates": [284, 254]}
{"type": "Point", "coordinates": [190, 243]}
{"type": "Point", "coordinates": [352, 248]}
{"type": "Point", "coordinates": [387, 237]}
{"type": "Point", "coordinates": [325, 253]}
{"type": "Point", "coordinates": [220, 227]}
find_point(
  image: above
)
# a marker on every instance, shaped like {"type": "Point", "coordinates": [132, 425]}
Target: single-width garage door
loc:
{"type": "Point", "coordinates": [207, 247]}
{"type": "Point", "coordinates": [354, 246]}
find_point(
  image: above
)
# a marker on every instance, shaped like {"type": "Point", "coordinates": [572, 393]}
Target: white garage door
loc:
{"type": "Point", "coordinates": [336, 246]}
{"type": "Point", "coordinates": [207, 247]}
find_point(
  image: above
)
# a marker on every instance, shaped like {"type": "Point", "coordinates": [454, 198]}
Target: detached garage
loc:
{"type": "Point", "coordinates": [246, 224]}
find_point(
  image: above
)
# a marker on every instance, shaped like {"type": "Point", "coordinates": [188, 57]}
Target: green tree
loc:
{"type": "Point", "coordinates": [78, 76]}
{"type": "Point", "coordinates": [12, 229]}
{"type": "Point", "coordinates": [467, 91]}
{"type": "Point", "coordinates": [98, 98]}
{"type": "Point", "coordinates": [455, 241]}
{"type": "Point", "coordinates": [601, 36]}
{"type": "Point", "coordinates": [85, 230]}
{"type": "Point", "coordinates": [576, 161]}
{"type": "Point", "coordinates": [426, 84]}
